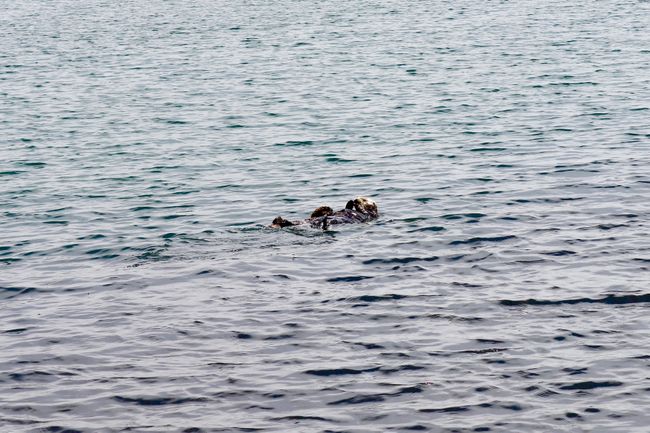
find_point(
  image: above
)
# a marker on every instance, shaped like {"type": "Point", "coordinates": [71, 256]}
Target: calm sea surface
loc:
{"type": "Point", "coordinates": [145, 146]}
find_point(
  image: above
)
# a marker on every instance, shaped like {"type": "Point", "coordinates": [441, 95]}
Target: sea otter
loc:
{"type": "Point", "coordinates": [359, 210]}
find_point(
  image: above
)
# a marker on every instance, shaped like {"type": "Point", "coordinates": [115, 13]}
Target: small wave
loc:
{"type": "Point", "coordinates": [400, 260]}
{"type": "Point", "coordinates": [302, 418]}
{"type": "Point", "coordinates": [483, 239]}
{"type": "Point", "coordinates": [375, 298]}
{"type": "Point", "coordinates": [296, 143]}
{"type": "Point", "coordinates": [348, 279]}
{"type": "Point", "coordinates": [158, 401]}
{"type": "Point", "coordinates": [369, 346]}
{"type": "Point", "coordinates": [15, 331]}
{"type": "Point", "coordinates": [14, 292]}
{"type": "Point", "coordinates": [371, 398]}
{"type": "Point", "coordinates": [428, 229]}
{"type": "Point", "coordinates": [59, 429]}
{"type": "Point", "coordinates": [559, 253]}
{"type": "Point", "coordinates": [488, 149]}
{"type": "Point", "coordinates": [590, 385]}
{"type": "Point", "coordinates": [465, 408]}
{"type": "Point", "coordinates": [609, 299]}
{"type": "Point", "coordinates": [341, 371]}
{"type": "Point", "coordinates": [356, 371]}
{"type": "Point", "coordinates": [463, 215]}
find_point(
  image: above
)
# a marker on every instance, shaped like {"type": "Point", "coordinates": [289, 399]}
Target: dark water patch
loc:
{"type": "Point", "coordinates": [243, 335]}
{"type": "Point", "coordinates": [609, 299]}
{"type": "Point", "coordinates": [406, 367]}
{"type": "Point", "coordinates": [238, 429]}
{"type": "Point", "coordinates": [303, 418]}
{"type": "Point", "coordinates": [98, 251]}
{"type": "Point", "coordinates": [227, 395]}
{"type": "Point", "coordinates": [486, 192]}
{"type": "Point", "coordinates": [369, 346]}
{"type": "Point", "coordinates": [172, 121]}
{"type": "Point", "coordinates": [293, 143]}
{"type": "Point", "coordinates": [488, 149]}
{"type": "Point", "coordinates": [587, 385]}
{"type": "Point", "coordinates": [59, 209]}
{"type": "Point", "coordinates": [348, 279]}
{"type": "Point", "coordinates": [120, 179]}
{"type": "Point", "coordinates": [59, 429]}
{"type": "Point", "coordinates": [14, 292]}
{"type": "Point", "coordinates": [413, 427]}
{"type": "Point", "coordinates": [482, 351]}
{"type": "Point", "coordinates": [34, 164]}
{"type": "Point", "coordinates": [467, 408]}
{"type": "Point", "coordinates": [488, 341]}
{"type": "Point", "coordinates": [449, 409]}
{"type": "Point", "coordinates": [577, 83]}
{"type": "Point", "coordinates": [373, 398]}
{"type": "Point", "coordinates": [453, 353]}
{"type": "Point", "coordinates": [279, 337]}
{"type": "Point", "coordinates": [428, 229]}
{"type": "Point", "coordinates": [338, 160]}
{"type": "Point", "coordinates": [341, 371]}
{"type": "Point", "coordinates": [546, 200]}
{"type": "Point", "coordinates": [530, 261]}
{"type": "Point", "coordinates": [375, 298]}
{"type": "Point", "coordinates": [39, 376]}
{"type": "Point", "coordinates": [483, 239]}
{"type": "Point", "coordinates": [399, 260]}
{"type": "Point", "coordinates": [468, 285]}
{"type": "Point", "coordinates": [414, 219]}
{"type": "Point", "coordinates": [450, 317]}
{"type": "Point", "coordinates": [10, 260]}
{"type": "Point", "coordinates": [16, 331]}
{"type": "Point", "coordinates": [468, 258]}
{"type": "Point", "coordinates": [559, 253]}
{"type": "Point", "coordinates": [243, 224]}
{"type": "Point", "coordinates": [357, 371]}
{"type": "Point", "coordinates": [575, 371]}
{"type": "Point", "coordinates": [611, 226]}
{"type": "Point", "coordinates": [158, 401]}
{"type": "Point", "coordinates": [359, 399]}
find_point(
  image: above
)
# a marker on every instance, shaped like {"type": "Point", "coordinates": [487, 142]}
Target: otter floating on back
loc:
{"type": "Point", "coordinates": [359, 210]}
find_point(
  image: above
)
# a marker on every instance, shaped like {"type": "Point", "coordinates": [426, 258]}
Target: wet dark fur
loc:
{"type": "Point", "coordinates": [359, 210]}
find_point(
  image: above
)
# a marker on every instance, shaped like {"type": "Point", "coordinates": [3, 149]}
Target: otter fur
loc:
{"type": "Point", "coordinates": [359, 210]}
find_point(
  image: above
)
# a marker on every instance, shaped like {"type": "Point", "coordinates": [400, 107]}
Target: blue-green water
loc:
{"type": "Point", "coordinates": [145, 146]}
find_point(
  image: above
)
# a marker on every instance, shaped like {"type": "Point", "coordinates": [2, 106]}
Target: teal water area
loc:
{"type": "Point", "coordinates": [146, 146]}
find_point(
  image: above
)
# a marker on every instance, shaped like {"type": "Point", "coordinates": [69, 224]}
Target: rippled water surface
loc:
{"type": "Point", "coordinates": [145, 146]}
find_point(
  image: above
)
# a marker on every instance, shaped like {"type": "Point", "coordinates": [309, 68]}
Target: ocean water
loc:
{"type": "Point", "coordinates": [146, 146]}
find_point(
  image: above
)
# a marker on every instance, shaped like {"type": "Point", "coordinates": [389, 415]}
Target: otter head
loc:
{"type": "Point", "coordinates": [280, 222]}
{"type": "Point", "coordinates": [322, 211]}
{"type": "Point", "coordinates": [365, 206]}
